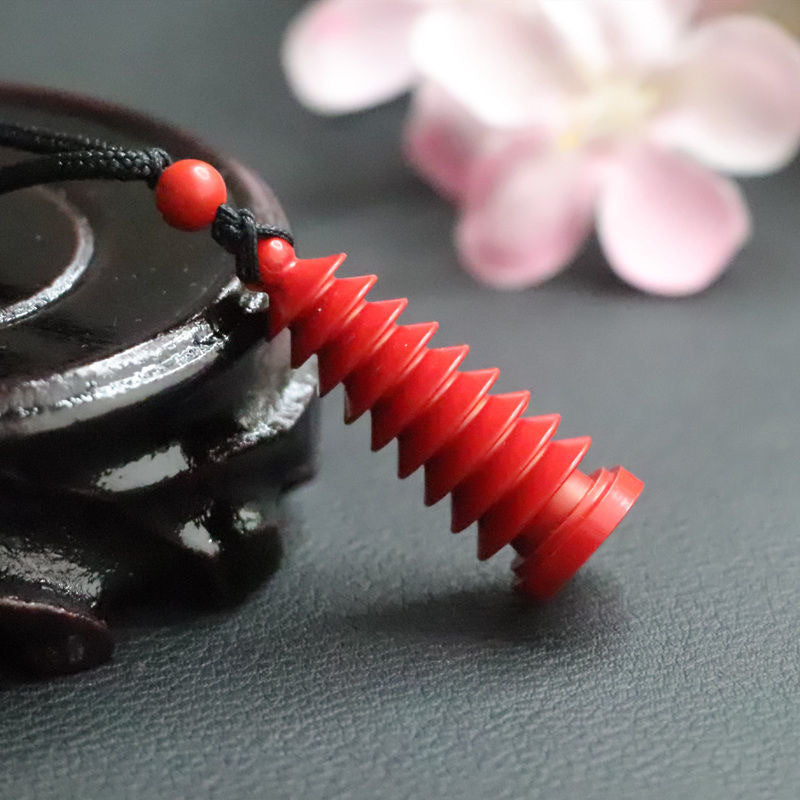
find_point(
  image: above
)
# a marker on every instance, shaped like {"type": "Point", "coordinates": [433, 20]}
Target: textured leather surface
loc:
{"type": "Point", "coordinates": [382, 660]}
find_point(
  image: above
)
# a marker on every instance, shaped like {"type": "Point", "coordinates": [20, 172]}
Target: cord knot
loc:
{"type": "Point", "coordinates": [238, 232]}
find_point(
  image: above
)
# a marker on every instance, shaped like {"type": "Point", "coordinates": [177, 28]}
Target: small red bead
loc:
{"type": "Point", "coordinates": [275, 256]}
{"type": "Point", "coordinates": [188, 194]}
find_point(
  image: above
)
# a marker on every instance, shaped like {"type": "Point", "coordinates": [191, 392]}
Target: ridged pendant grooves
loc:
{"type": "Point", "coordinates": [503, 471]}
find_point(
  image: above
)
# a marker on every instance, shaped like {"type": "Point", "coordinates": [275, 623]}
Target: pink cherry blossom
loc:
{"type": "Point", "coordinates": [542, 118]}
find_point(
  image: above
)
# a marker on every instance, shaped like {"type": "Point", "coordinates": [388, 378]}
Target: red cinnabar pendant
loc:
{"type": "Point", "coordinates": [503, 470]}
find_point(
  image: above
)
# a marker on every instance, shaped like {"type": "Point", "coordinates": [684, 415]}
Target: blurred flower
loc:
{"type": "Point", "coordinates": [539, 117]}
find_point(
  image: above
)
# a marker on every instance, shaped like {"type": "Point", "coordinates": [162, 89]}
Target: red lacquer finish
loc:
{"type": "Point", "coordinates": [504, 471]}
{"type": "Point", "coordinates": [188, 194]}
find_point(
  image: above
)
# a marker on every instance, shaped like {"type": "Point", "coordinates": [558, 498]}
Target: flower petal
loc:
{"type": "Point", "coordinates": [737, 97]}
{"type": "Point", "coordinates": [669, 226]}
{"type": "Point", "coordinates": [508, 68]}
{"type": "Point", "coordinates": [443, 140]}
{"type": "Point", "coordinates": [344, 55]}
{"type": "Point", "coordinates": [607, 34]}
{"type": "Point", "coordinates": [525, 216]}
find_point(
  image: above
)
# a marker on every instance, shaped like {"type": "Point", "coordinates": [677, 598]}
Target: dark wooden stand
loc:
{"type": "Point", "coordinates": [147, 428]}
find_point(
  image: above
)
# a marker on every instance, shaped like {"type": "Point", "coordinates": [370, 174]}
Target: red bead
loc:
{"type": "Point", "coordinates": [188, 194]}
{"type": "Point", "coordinates": [274, 256]}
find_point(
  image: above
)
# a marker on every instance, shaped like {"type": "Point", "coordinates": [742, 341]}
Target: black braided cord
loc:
{"type": "Point", "coordinates": [69, 157]}
{"type": "Point", "coordinates": [38, 140]}
{"type": "Point", "coordinates": [77, 165]}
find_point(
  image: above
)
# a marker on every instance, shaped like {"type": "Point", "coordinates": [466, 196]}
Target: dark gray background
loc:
{"type": "Point", "coordinates": [382, 660]}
